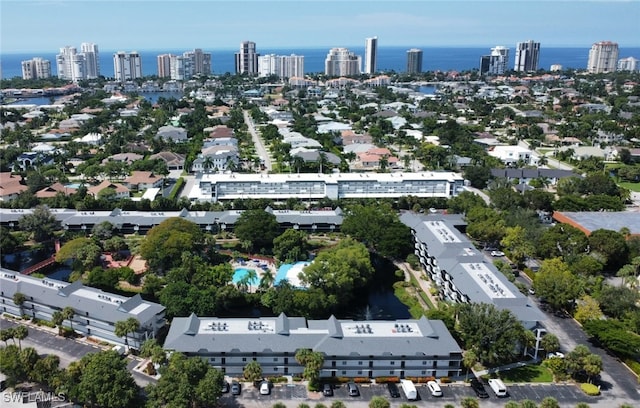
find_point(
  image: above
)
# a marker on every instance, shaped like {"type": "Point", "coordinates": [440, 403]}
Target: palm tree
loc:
{"type": "Point", "coordinates": [19, 299]}
{"type": "Point", "coordinates": [469, 359]}
{"type": "Point", "coordinates": [57, 318]}
{"type": "Point", "coordinates": [68, 313]}
{"type": "Point", "coordinates": [298, 162]}
{"type": "Point", "coordinates": [322, 160]}
{"type": "Point", "coordinates": [124, 327]}
{"type": "Point", "coordinates": [207, 163]}
{"type": "Point", "coordinates": [6, 334]}
{"type": "Point", "coordinates": [20, 333]}
{"type": "Point", "coordinates": [267, 280]}
{"type": "Point", "coordinates": [383, 163]}
{"type": "Point", "coordinates": [231, 164]}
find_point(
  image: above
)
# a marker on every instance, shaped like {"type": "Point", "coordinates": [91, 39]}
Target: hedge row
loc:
{"type": "Point", "coordinates": [177, 188]}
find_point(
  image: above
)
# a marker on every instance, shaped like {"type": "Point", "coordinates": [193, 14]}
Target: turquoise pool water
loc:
{"type": "Point", "coordinates": [240, 273]}
{"type": "Point", "coordinates": [73, 185]}
{"type": "Point", "coordinates": [283, 272]}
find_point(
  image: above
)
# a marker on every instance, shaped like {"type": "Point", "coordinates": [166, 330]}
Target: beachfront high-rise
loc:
{"type": "Point", "coordinates": [628, 64]}
{"type": "Point", "coordinates": [36, 68]}
{"type": "Point", "coordinates": [127, 66]}
{"type": "Point", "coordinates": [527, 56]}
{"type": "Point", "coordinates": [342, 62]}
{"type": "Point", "coordinates": [603, 57]}
{"type": "Point", "coordinates": [371, 55]}
{"type": "Point", "coordinates": [414, 61]}
{"type": "Point", "coordinates": [496, 62]}
{"type": "Point", "coordinates": [91, 60]}
{"type": "Point", "coordinates": [247, 59]}
{"type": "Point", "coordinates": [164, 65]}
{"type": "Point", "coordinates": [282, 66]}
{"type": "Point", "coordinates": [199, 62]}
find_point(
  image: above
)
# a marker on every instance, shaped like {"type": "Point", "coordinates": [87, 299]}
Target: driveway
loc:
{"type": "Point", "coordinates": [257, 141]}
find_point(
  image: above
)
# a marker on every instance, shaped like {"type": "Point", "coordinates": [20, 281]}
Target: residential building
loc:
{"type": "Point", "coordinates": [142, 180]}
{"type": "Point", "coordinates": [127, 66]}
{"type": "Point", "coordinates": [371, 55]}
{"type": "Point", "coordinates": [119, 191]}
{"type": "Point", "coordinates": [312, 186]}
{"type": "Point", "coordinates": [511, 155]}
{"type": "Point", "coordinates": [200, 62]}
{"type": "Point", "coordinates": [629, 64]}
{"type": "Point", "coordinates": [496, 62]}
{"type": "Point", "coordinates": [174, 161]}
{"type": "Point", "coordinates": [180, 68]}
{"type": "Point", "coordinates": [216, 158]}
{"type": "Point", "coordinates": [589, 221]}
{"type": "Point", "coordinates": [70, 64]}
{"type": "Point", "coordinates": [283, 66]}
{"type": "Point", "coordinates": [342, 62]}
{"type": "Point", "coordinates": [95, 312]}
{"type": "Point", "coordinates": [414, 61]}
{"type": "Point", "coordinates": [36, 68]}
{"type": "Point", "coordinates": [603, 57]}
{"type": "Point", "coordinates": [247, 59]}
{"type": "Point", "coordinates": [11, 186]}
{"type": "Point", "coordinates": [164, 65]}
{"type": "Point", "coordinates": [527, 56]}
{"type": "Point", "coordinates": [370, 348]}
{"type": "Point", "coordinates": [91, 60]}
{"type": "Point", "coordinates": [172, 133]}
{"type": "Point", "coordinates": [462, 274]}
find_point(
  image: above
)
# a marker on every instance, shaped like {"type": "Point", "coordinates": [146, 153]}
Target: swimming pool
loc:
{"type": "Point", "coordinates": [290, 272]}
{"type": "Point", "coordinates": [240, 273]}
{"type": "Point", "coordinates": [73, 185]}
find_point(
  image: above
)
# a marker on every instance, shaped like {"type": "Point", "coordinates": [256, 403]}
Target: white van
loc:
{"type": "Point", "coordinates": [434, 389]}
{"type": "Point", "coordinates": [409, 389]}
{"type": "Point", "coordinates": [498, 387]}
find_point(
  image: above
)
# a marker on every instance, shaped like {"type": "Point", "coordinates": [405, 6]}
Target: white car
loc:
{"type": "Point", "coordinates": [434, 388]}
{"type": "Point", "coordinates": [557, 354]}
{"type": "Point", "coordinates": [264, 388]}
{"type": "Point", "coordinates": [497, 253]}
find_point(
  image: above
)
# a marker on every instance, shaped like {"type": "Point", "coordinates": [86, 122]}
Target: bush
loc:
{"type": "Point", "coordinates": [590, 389]}
{"type": "Point", "coordinates": [445, 380]}
{"type": "Point", "coordinates": [384, 380]}
{"type": "Point", "coordinates": [176, 189]}
{"type": "Point", "coordinates": [150, 369]}
{"type": "Point", "coordinates": [421, 380]}
{"type": "Point", "coordinates": [362, 380]}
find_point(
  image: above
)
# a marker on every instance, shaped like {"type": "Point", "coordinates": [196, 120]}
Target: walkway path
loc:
{"type": "Point", "coordinates": [425, 285]}
{"type": "Point", "coordinates": [257, 141]}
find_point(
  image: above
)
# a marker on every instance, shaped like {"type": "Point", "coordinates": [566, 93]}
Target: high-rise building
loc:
{"type": "Point", "coordinates": [414, 61]}
{"type": "Point", "coordinates": [371, 55]}
{"type": "Point", "coordinates": [164, 65]}
{"type": "Point", "coordinates": [283, 66]}
{"type": "Point", "coordinates": [200, 62]}
{"type": "Point", "coordinates": [496, 62]}
{"type": "Point", "coordinates": [527, 56]}
{"type": "Point", "coordinates": [64, 63]}
{"type": "Point", "coordinates": [91, 60]}
{"type": "Point", "coordinates": [180, 68]}
{"type": "Point", "coordinates": [342, 62]}
{"type": "Point", "coordinates": [628, 64]}
{"type": "Point", "coordinates": [247, 59]}
{"type": "Point", "coordinates": [36, 68]}
{"type": "Point", "coordinates": [603, 57]}
{"type": "Point", "coordinates": [127, 66]}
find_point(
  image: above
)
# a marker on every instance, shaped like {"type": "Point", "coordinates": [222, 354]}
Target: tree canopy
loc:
{"type": "Point", "coordinates": [556, 284]}
{"type": "Point", "coordinates": [41, 223]}
{"type": "Point", "coordinates": [258, 227]}
{"type": "Point", "coordinates": [164, 244]}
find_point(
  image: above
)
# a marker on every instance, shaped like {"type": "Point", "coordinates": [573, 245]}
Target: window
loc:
{"type": "Point", "coordinates": [344, 372]}
{"type": "Point", "coordinates": [391, 372]}
{"type": "Point", "coordinates": [359, 372]}
{"type": "Point", "coordinates": [275, 359]}
{"type": "Point", "coordinates": [393, 363]}
{"type": "Point", "coordinates": [275, 369]}
{"type": "Point", "coordinates": [359, 362]}
{"type": "Point", "coordinates": [244, 359]}
{"type": "Point", "coordinates": [423, 372]}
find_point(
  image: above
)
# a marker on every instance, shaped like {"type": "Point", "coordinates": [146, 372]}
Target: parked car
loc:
{"type": "Point", "coordinates": [393, 390]}
{"type": "Point", "coordinates": [478, 388]}
{"type": "Point", "coordinates": [265, 388]}
{"type": "Point", "coordinates": [497, 253]}
{"type": "Point", "coordinates": [327, 390]}
{"type": "Point", "coordinates": [557, 354]}
{"type": "Point", "coordinates": [434, 389]}
{"type": "Point", "coordinates": [353, 389]}
{"type": "Point", "coordinates": [225, 387]}
{"type": "Point", "coordinates": [236, 388]}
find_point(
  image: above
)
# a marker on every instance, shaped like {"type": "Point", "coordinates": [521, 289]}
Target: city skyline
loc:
{"type": "Point", "coordinates": [329, 23]}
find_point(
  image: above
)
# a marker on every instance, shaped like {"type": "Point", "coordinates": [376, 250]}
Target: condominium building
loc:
{"type": "Point", "coordinates": [95, 312]}
{"type": "Point", "coordinates": [370, 348]}
{"type": "Point", "coordinates": [200, 62]}
{"type": "Point", "coordinates": [495, 63]}
{"type": "Point", "coordinates": [628, 64]}
{"type": "Point", "coordinates": [247, 59]}
{"type": "Point", "coordinates": [127, 66]}
{"type": "Point", "coordinates": [283, 66]}
{"type": "Point", "coordinates": [527, 56]}
{"type": "Point", "coordinates": [91, 60]}
{"type": "Point", "coordinates": [164, 65]}
{"type": "Point", "coordinates": [414, 61]}
{"type": "Point", "coordinates": [342, 62]}
{"type": "Point", "coordinates": [312, 186]}
{"type": "Point", "coordinates": [36, 68]}
{"type": "Point", "coordinates": [371, 55]}
{"type": "Point", "coordinates": [603, 57]}
{"type": "Point", "coordinates": [180, 68]}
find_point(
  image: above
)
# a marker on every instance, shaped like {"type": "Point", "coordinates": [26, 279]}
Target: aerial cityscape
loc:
{"type": "Point", "coordinates": [319, 203]}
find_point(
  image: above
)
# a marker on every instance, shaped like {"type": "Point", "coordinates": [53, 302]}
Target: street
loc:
{"type": "Point", "coordinates": [261, 151]}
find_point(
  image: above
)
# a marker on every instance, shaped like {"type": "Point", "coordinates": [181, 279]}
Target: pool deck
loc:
{"type": "Point", "coordinates": [256, 267]}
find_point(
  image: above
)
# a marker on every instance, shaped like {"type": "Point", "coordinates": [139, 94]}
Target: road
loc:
{"type": "Point", "coordinates": [257, 141]}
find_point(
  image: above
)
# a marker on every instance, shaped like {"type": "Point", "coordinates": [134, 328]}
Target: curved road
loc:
{"type": "Point", "coordinates": [257, 141]}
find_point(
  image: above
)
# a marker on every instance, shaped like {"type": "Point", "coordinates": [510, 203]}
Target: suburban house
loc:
{"type": "Point", "coordinates": [53, 190]}
{"type": "Point", "coordinates": [10, 186]}
{"type": "Point", "coordinates": [172, 133]}
{"type": "Point", "coordinates": [174, 161]}
{"type": "Point", "coordinates": [120, 190]}
{"type": "Point", "coordinates": [142, 180]}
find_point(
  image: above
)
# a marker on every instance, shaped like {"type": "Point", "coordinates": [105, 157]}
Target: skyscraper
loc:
{"type": "Point", "coordinates": [164, 65]}
{"type": "Point", "coordinates": [371, 55]}
{"type": "Point", "coordinates": [342, 62]}
{"type": "Point", "coordinates": [36, 68]}
{"type": "Point", "coordinates": [127, 66]}
{"type": "Point", "coordinates": [414, 61]}
{"type": "Point", "coordinates": [283, 66]}
{"type": "Point", "coordinates": [628, 64]}
{"type": "Point", "coordinates": [496, 62]}
{"type": "Point", "coordinates": [65, 62]}
{"type": "Point", "coordinates": [200, 62]}
{"type": "Point", "coordinates": [527, 56]}
{"type": "Point", "coordinates": [91, 60]}
{"type": "Point", "coordinates": [603, 57]}
{"type": "Point", "coordinates": [247, 59]}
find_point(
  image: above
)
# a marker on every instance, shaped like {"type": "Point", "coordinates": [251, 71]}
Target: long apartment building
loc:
{"type": "Point", "coordinates": [372, 349]}
{"type": "Point", "coordinates": [96, 312]}
{"type": "Point", "coordinates": [462, 273]}
{"type": "Point", "coordinates": [313, 186]}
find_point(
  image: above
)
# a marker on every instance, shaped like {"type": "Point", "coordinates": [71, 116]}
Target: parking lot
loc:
{"type": "Point", "coordinates": [294, 394]}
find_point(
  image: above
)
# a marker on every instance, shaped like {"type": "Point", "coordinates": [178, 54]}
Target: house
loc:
{"type": "Point", "coordinates": [119, 190]}
{"type": "Point", "coordinates": [526, 175]}
{"type": "Point", "coordinates": [10, 186]}
{"type": "Point", "coordinates": [52, 190]}
{"type": "Point", "coordinates": [510, 155]}
{"type": "Point", "coordinates": [33, 159]}
{"type": "Point", "coordinates": [220, 131]}
{"type": "Point", "coordinates": [172, 133]}
{"type": "Point", "coordinates": [142, 180]}
{"type": "Point", "coordinates": [127, 158]}
{"type": "Point", "coordinates": [216, 158]}
{"type": "Point", "coordinates": [313, 156]}
{"type": "Point", "coordinates": [93, 139]}
{"type": "Point", "coordinates": [372, 158]}
{"type": "Point", "coordinates": [174, 161]}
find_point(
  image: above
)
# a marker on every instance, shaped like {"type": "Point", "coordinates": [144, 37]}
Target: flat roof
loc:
{"type": "Point", "coordinates": [589, 221]}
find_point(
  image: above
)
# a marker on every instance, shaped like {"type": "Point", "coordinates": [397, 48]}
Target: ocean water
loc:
{"type": "Point", "coordinates": [389, 59]}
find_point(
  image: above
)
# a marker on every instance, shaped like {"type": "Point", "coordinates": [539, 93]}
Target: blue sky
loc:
{"type": "Point", "coordinates": [47, 25]}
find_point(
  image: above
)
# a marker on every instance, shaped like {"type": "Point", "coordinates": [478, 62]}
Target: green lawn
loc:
{"type": "Point", "coordinates": [529, 373]}
{"type": "Point", "coordinates": [631, 186]}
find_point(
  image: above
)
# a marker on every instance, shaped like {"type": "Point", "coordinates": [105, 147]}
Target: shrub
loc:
{"type": "Point", "coordinates": [590, 389]}
{"type": "Point", "coordinates": [176, 189]}
{"type": "Point", "coordinates": [361, 380]}
{"type": "Point", "coordinates": [384, 380]}
{"type": "Point", "coordinates": [150, 369]}
{"type": "Point", "coordinates": [445, 380]}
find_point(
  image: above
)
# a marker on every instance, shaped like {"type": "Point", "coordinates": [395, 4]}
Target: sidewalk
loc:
{"type": "Point", "coordinates": [504, 367]}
